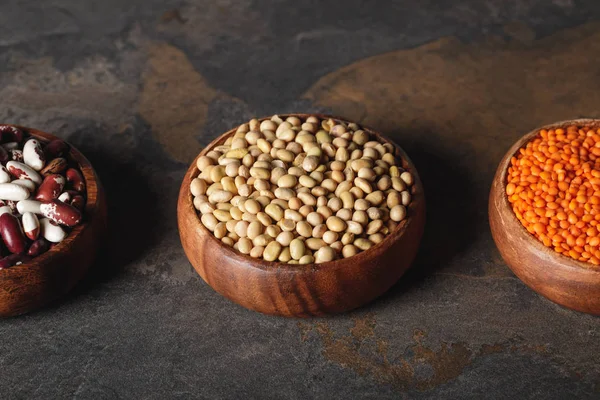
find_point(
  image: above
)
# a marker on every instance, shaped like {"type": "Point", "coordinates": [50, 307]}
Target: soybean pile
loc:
{"type": "Point", "coordinates": [301, 190]}
{"type": "Point", "coordinates": [554, 189]}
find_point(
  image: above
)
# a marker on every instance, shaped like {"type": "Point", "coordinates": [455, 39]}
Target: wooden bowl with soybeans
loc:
{"type": "Point", "coordinates": [544, 212]}
{"type": "Point", "coordinates": [52, 218]}
{"type": "Point", "coordinates": [301, 215]}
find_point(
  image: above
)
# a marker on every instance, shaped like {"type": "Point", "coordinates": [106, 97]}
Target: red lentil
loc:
{"type": "Point", "coordinates": [554, 189]}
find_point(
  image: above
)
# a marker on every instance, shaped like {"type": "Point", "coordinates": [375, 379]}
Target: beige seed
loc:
{"type": "Point", "coordinates": [203, 162]}
{"type": "Point", "coordinates": [349, 250]}
{"type": "Point", "coordinates": [228, 241]}
{"type": "Point", "coordinates": [398, 184]}
{"type": "Point", "coordinates": [206, 208]}
{"type": "Point", "coordinates": [287, 181]}
{"type": "Point", "coordinates": [347, 238]}
{"type": "Point", "coordinates": [307, 259]}
{"type": "Point", "coordinates": [398, 213]}
{"type": "Point", "coordinates": [329, 237]}
{"type": "Point", "coordinates": [354, 227]}
{"type": "Point", "coordinates": [376, 198]}
{"type": "Point", "coordinates": [262, 240]}
{"type": "Point", "coordinates": [305, 210]}
{"type": "Point", "coordinates": [285, 255]}
{"type": "Point", "coordinates": [347, 199]}
{"type": "Point", "coordinates": [297, 249]}
{"type": "Point", "coordinates": [344, 213]}
{"type": "Point", "coordinates": [273, 230]}
{"type": "Point", "coordinates": [274, 211]}
{"type": "Point", "coordinates": [376, 238]}
{"type": "Point", "coordinates": [284, 193]}
{"type": "Point", "coordinates": [335, 204]}
{"type": "Point", "coordinates": [287, 225]}
{"type": "Point", "coordinates": [363, 244]}
{"type": "Point", "coordinates": [363, 185]}
{"type": "Point", "coordinates": [336, 224]}
{"type": "Point", "coordinates": [241, 228]}
{"type": "Point", "coordinates": [257, 251]}
{"type": "Point", "coordinates": [222, 215]}
{"type": "Point", "coordinates": [244, 245]}
{"type": "Point", "coordinates": [272, 251]}
{"type": "Point", "coordinates": [407, 178]}
{"type": "Point", "coordinates": [406, 197]}
{"type": "Point", "coordinates": [285, 238]}
{"type": "Point", "coordinates": [268, 125]}
{"type": "Point", "coordinates": [393, 199]}
{"type": "Point", "coordinates": [310, 163]}
{"type": "Point", "coordinates": [252, 206]}
{"type": "Point", "coordinates": [308, 199]}
{"type": "Point", "coordinates": [361, 205]}
{"type": "Point", "coordinates": [198, 187]}
{"type": "Point", "coordinates": [319, 230]}
{"type": "Point", "coordinates": [374, 226]}
{"type": "Point", "coordinates": [307, 181]}
{"type": "Point", "coordinates": [304, 229]}
{"type": "Point", "coordinates": [255, 228]}
{"type": "Point", "coordinates": [264, 218]}
{"type": "Point", "coordinates": [324, 254]}
{"type": "Point", "coordinates": [294, 203]}
{"type": "Point", "coordinates": [220, 230]}
{"type": "Point", "coordinates": [325, 211]}
{"type": "Point", "coordinates": [285, 155]}
{"type": "Point", "coordinates": [314, 243]}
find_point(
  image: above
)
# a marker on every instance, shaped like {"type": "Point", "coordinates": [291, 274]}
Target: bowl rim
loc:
{"type": "Point", "coordinates": [417, 200]}
{"type": "Point", "coordinates": [91, 192]}
{"type": "Point", "coordinates": [567, 262]}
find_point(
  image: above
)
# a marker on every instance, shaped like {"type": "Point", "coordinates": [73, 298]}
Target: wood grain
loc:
{"type": "Point", "coordinates": [571, 283]}
{"type": "Point", "coordinates": [295, 290]}
{"type": "Point", "coordinates": [29, 286]}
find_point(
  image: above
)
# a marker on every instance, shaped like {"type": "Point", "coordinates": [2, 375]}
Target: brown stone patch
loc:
{"type": "Point", "coordinates": [361, 351]}
{"type": "Point", "coordinates": [174, 100]}
{"type": "Point", "coordinates": [479, 96]}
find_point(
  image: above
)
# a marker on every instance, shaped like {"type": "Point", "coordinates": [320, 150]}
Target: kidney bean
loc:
{"type": "Point", "coordinates": [12, 234]}
{"type": "Point", "coordinates": [55, 166]}
{"type": "Point", "coordinates": [50, 188]}
{"type": "Point", "coordinates": [33, 154]}
{"type": "Point", "coordinates": [51, 231]}
{"type": "Point", "coordinates": [75, 179]}
{"type": "Point", "coordinates": [78, 202]}
{"type": "Point", "coordinates": [23, 171]}
{"type": "Point", "coordinates": [26, 183]}
{"type": "Point", "coordinates": [4, 175]}
{"type": "Point", "coordinates": [16, 155]}
{"type": "Point", "coordinates": [10, 133]}
{"type": "Point", "coordinates": [38, 247]}
{"type": "Point", "coordinates": [61, 213]}
{"type": "Point", "coordinates": [11, 191]}
{"type": "Point", "coordinates": [65, 197]}
{"type": "Point", "coordinates": [56, 148]}
{"type": "Point", "coordinates": [5, 209]}
{"type": "Point", "coordinates": [13, 260]}
{"type": "Point", "coordinates": [32, 206]}
{"type": "Point", "coordinates": [31, 225]}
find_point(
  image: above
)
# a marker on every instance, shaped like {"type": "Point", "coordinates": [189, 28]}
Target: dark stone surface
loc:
{"type": "Point", "coordinates": [140, 86]}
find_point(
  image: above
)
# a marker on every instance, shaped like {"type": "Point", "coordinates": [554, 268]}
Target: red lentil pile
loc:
{"type": "Point", "coordinates": [554, 189]}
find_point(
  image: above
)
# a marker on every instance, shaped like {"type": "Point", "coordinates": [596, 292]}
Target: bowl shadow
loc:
{"type": "Point", "coordinates": [451, 224]}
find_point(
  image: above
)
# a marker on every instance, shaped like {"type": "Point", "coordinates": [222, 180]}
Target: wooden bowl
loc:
{"type": "Point", "coordinates": [29, 286]}
{"type": "Point", "coordinates": [300, 290]}
{"type": "Point", "coordinates": [568, 282]}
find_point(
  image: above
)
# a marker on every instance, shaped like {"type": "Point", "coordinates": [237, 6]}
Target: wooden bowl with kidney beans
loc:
{"type": "Point", "coordinates": [294, 290]}
{"type": "Point", "coordinates": [36, 272]}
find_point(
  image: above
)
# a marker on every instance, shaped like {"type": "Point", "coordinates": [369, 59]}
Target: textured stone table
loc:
{"type": "Point", "coordinates": [141, 85]}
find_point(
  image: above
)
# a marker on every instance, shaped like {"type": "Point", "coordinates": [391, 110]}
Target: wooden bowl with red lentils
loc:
{"type": "Point", "coordinates": [544, 212]}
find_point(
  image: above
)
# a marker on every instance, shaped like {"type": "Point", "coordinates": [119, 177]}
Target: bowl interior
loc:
{"type": "Point", "coordinates": [91, 205]}
{"type": "Point", "coordinates": [514, 221]}
{"type": "Point", "coordinates": [417, 200]}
